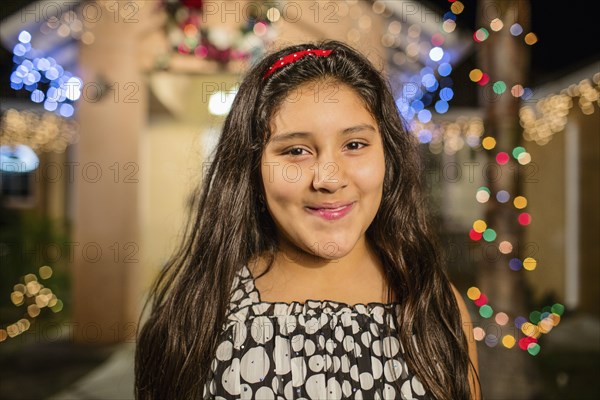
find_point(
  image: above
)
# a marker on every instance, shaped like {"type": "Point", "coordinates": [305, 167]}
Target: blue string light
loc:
{"type": "Point", "coordinates": [62, 88]}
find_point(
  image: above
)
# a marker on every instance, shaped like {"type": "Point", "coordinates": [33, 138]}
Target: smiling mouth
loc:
{"type": "Point", "coordinates": [331, 213]}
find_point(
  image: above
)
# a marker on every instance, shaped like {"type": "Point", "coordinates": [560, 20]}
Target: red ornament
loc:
{"type": "Point", "coordinates": [197, 4]}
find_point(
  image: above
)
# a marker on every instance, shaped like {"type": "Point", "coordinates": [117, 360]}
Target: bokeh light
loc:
{"type": "Point", "coordinates": [486, 311]}
{"type": "Point", "coordinates": [485, 78]}
{"type": "Point", "coordinates": [473, 293]}
{"type": "Point", "coordinates": [489, 235]}
{"type": "Point", "coordinates": [517, 151]}
{"type": "Point", "coordinates": [31, 72]}
{"type": "Point", "coordinates": [499, 87]}
{"type": "Point", "coordinates": [448, 26]}
{"type": "Point", "coordinates": [488, 143]}
{"type": "Point", "coordinates": [530, 330]}
{"type": "Point", "coordinates": [502, 158]}
{"type": "Point", "coordinates": [502, 196]}
{"type": "Point", "coordinates": [505, 247]}
{"type": "Point", "coordinates": [496, 24]}
{"type": "Point", "coordinates": [533, 349]}
{"type": "Point", "coordinates": [517, 90]}
{"type": "Point", "coordinates": [479, 226]}
{"type": "Point", "coordinates": [478, 333]}
{"type": "Point", "coordinates": [516, 29]}
{"type": "Point", "coordinates": [524, 218]}
{"type": "Point", "coordinates": [524, 158]}
{"type": "Point", "coordinates": [444, 70]}
{"type": "Point", "coordinates": [508, 341]}
{"type": "Point", "coordinates": [437, 39]}
{"type": "Point", "coordinates": [530, 38]}
{"type": "Point", "coordinates": [474, 235]}
{"type": "Point", "coordinates": [475, 75]}
{"type": "Point", "coordinates": [501, 318]}
{"type": "Point", "coordinates": [483, 194]}
{"type": "Point", "coordinates": [436, 54]}
{"type": "Point", "coordinates": [457, 7]}
{"type": "Point", "coordinates": [519, 321]}
{"type": "Point", "coordinates": [481, 300]}
{"type": "Point", "coordinates": [558, 309]}
{"type": "Point", "coordinates": [45, 272]}
{"type": "Point", "coordinates": [529, 263]}
{"type": "Point", "coordinates": [525, 341]}
{"type": "Point", "coordinates": [491, 340]}
{"type": "Point", "coordinates": [481, 34]}
{"type": "Point", "coordinates": [515, 264]}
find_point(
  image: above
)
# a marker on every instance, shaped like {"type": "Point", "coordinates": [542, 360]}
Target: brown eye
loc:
{"type": "Point", "coordinates": [357, 143]}
{"type": "Point", "coordinates": [292, 150]}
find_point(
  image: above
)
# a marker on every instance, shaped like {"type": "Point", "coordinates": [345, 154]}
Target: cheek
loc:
{"type": "Point", "coordinates": [370, 176]}
{"type": "Point", "coordinates": [281, 185]}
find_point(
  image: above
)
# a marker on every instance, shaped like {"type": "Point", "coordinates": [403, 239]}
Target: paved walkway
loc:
{"type": "Point", "coordinates": [113, 380]}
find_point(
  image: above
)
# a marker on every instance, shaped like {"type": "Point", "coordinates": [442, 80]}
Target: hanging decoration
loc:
{"type": "Point", "coordinates": [189, 35]}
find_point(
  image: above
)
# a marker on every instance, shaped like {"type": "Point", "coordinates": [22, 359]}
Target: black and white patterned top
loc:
{"type": "Point", "coordinates": [320, 349]}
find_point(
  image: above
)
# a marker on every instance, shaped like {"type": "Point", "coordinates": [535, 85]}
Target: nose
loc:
{"type": "Point", "coordinates": [328, 174]}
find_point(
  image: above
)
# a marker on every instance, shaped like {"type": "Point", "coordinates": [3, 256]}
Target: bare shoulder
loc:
{"type": "Point", "coordinates": [464, 312]}
{"type": "Point", "coordinates": [467, 325]}
{"type": "Point", "coordinates": [465, 317]}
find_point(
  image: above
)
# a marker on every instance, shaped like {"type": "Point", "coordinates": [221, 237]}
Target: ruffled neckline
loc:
{"type": "Point", "coordinates": [310, 306]}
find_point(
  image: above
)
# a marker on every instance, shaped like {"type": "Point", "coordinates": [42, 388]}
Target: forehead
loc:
{"type": "Point", "coordinates": [320, 105]}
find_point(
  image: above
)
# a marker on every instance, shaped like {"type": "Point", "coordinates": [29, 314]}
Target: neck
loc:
{"type": "Point", "coordinates": [296, 261]}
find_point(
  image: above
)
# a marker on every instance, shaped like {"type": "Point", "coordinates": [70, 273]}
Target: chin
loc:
{"type": "Point", "coordinates": [330, 249]}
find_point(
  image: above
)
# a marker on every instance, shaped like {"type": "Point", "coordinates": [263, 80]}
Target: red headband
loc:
{"type": "Point", "coordinates": [293, 57]}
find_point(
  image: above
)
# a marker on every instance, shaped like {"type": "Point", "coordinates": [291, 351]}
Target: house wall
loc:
{"type": "Point", "coordinates": [560, 217]}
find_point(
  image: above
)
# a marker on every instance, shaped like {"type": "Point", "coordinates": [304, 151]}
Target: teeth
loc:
{"type": "Point", "coordinates": [333, 209]}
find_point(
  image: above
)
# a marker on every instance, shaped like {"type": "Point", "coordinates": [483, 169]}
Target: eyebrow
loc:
{"type": "Point", "coordinates": [302, 135]}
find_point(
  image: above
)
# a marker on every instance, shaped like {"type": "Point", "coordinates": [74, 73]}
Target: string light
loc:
{"type": "Point", "coordinates": [483, 194]}
{"type": "Point", "coordinates": [34, 73]}
{"type": "Point", "coordinates": [449, 136]}
{"type": "Point", "coordinates": [35, 297]}
{"type": "Point", "coordinates": [45, 132]}
{"type": "Point", "coordinates": [539, 323]}
{"type": "Point", "coordinates": [549, 115]}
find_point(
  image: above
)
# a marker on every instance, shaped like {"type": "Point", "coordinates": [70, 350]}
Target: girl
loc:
{"type": "Point", "coordinates": [309, 270]}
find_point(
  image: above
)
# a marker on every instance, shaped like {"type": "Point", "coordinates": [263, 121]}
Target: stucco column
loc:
{"type": "Point", "coordinates": [107, 175]}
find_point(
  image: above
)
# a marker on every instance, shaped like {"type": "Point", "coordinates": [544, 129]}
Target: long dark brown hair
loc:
{"type": "Point", "coordinates": [190, 297]}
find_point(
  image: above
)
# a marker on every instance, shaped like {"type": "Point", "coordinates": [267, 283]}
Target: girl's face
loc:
{"type": "Point", "coordinates": [323, 169]}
